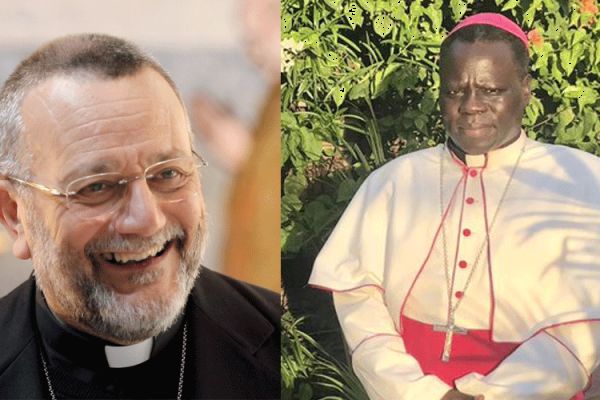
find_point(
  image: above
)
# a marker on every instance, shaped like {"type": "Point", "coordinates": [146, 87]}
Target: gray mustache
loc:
{"type": "Point", "coordinates": [116, 242]}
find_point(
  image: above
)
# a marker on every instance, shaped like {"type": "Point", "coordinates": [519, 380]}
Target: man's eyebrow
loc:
{"type": "Point", "coordinates": [85, 170]}
{"type": "Point", "coordinates": [101, 167]}
{"type": "Point", "coordinates": [168, 155]}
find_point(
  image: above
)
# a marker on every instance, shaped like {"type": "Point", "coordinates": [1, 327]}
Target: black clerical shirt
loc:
{"type": "Point", "coordinates": [79, 369]}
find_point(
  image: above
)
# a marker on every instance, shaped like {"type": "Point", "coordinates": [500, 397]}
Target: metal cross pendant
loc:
{"type": "Point", "coordinates": [450, 330]}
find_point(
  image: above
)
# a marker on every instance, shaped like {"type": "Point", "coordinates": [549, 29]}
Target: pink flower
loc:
{"type": "Point", "coordinates": [535, 38]}
{"type": "Point", "coordinates": [589, 7]}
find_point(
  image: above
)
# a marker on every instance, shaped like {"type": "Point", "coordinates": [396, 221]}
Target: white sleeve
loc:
{"type": "Point", "coordinates": [379, 358]}
{"type": "Point", "coordinates": [554, 364]}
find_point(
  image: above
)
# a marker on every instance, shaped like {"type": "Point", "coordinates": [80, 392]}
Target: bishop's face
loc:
{"type": "Point", "coordinates": [121, 272]}
{"type": "Point", "coordinates": [482, 95]}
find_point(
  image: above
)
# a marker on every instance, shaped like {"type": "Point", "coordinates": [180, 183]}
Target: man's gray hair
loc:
{"type": "Point", "coordinates": [101, 55]}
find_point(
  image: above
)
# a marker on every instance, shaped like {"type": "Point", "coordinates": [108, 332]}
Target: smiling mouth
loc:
{"type": "Point", "coordinates": [136, 258]}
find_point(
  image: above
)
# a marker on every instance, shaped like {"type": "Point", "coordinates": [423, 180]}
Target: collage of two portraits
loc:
{"type": "Point", "coordinates": [300, 199]}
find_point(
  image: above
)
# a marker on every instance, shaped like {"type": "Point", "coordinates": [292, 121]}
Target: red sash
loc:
{"type": "Point", "coordinates": [472, 352]}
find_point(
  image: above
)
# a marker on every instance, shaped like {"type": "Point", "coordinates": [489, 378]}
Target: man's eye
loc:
{"type": "Point", "coordinates": [168, 173]}
{"type": "Point", "coordinates": [492, 91]}
{"type": "Point", "coordinates": [96, 192]}
{"type": "Point", "coordinates": [95, 187]}
{"type": "Point", "coordinates": [453, 92]}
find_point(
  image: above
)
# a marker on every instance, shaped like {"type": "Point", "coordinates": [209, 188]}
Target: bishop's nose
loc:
{"type": "Point", "coordinates": [140, 212]}
{"type": "Point", "coordinates": [472, 103]}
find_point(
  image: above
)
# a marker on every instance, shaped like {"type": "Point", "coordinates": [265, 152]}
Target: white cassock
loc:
{"type": "Point", "coordinates": [535, 283]}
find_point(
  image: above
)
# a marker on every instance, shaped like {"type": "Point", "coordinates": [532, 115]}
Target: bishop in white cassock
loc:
{"type": "Point", "coordinates": [472, 269]}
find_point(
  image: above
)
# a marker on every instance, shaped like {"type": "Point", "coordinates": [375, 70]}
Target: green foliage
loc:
{"type": "Point", "coordinates": [360, 86]}
{"type": "Point", "coordinates": [297, 360]}
{"type": "Point", "coordinates": [307, 372]}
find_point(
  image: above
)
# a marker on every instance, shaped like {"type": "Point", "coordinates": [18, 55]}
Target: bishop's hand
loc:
{"type": "Point", "coordinates": [456, 395]}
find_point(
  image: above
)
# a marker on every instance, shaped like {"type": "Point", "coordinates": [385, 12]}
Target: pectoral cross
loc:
{"type": "Point", "coordinates": [450, 330]}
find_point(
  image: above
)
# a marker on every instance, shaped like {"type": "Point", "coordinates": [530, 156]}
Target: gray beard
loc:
{"type": "Point", "coordinates": [95, 305]}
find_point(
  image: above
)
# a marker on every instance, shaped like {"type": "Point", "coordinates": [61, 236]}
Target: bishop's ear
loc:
{"type": "Point", "coordinates": [526, 88]}
{"type": "Point", "coordinates": [11, 219]}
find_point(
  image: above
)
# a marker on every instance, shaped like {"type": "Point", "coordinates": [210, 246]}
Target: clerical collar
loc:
{"type": "Point", "coordinates": [72, 347]}
{"type": "Point", "coordinates": [128, 356]}
{"type": "Point", "coordinates": [498, 157]}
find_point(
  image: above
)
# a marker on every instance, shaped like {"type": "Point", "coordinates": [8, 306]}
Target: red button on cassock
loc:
{"type": "Point", "coordinates": [467, 232]}
{"type": "Point", "coordinates": [470, 200]}
{"type": "Point", "coordinates": [462, 264]}
{"type": "Point", "coordinates": [458, 294]}
{"type": "Point", "coordinates": [473, 173]}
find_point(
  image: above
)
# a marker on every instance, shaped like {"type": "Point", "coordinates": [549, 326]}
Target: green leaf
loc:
{"type": "Point", "coordinates": [534, 110]}
{"type": "Point", "coordinates": [286, 23]}
{"type": "Point", "coordinates": [427, 103]}
{"type": "Point", "coordinates": [383, 79]}
{"type": "Point", "coordinates": [311, 146]}
{"type": "Point", "coordinates": [543, 54]}
{"type": "Point", "coordinates": [573, 92]}
{"type": "Point", "coordinates": [285, 152]}
{"type": "Point", "coordinates": [588, 96]}
{"type": "Point", "coordinates": [383, 5]}
{"type": "Point", "coordinates": [435, 15]}
{"type": "Point", "coordinates": [576, 54]}
{"type": "Point", "coordinates": [566, 62]}
{"type": "Point", "coordinates": [346, 190]}
{"type": "Point", "coordinates": [420, 123]}
{"type": "Point", "coordinates": [590, 120]}
{"type": "Point", "coordinates": [459, 8]}
{"type": "Point", "coordinates": [294, 185]}
{"type": "Point", "coordinates": [405, 78]}
{"type": "Point", "coordinates": [335, 4]}
{"type": "Point", "coordinates": [529, 16]}
{"type": "Point", "coordinates": [399, 12]}
{"type": "Point", "coordinates": [579, 36]}
{"type": "Point", "coordinates": [383, 25]}
{"type": "Point", "coordinates": [552, 5]}
{"type": "Point", "coordinates": [354, 15]}
{"type": "Point", "coordinates": [415, 10]}
{"type": "Point", "coordinates": [333, 58]}
{"type": "Point", "coordinates": [318, 211]}
{"type": "Point", "coordinates": [290, 203]}
{"type": "Point", "coordinates": [571, 135]}
{"type": "Point", "coordinates": [367, 5]}
{"type": "Point", "coordinates": [339, 95]}
{"type": "Point", "coordinates": [360, 90]}
{"type": "Point", "coordinates": [294, 140]}
{"type": "Point", "coordinates": [565, 117]}
{"type": "Point", "coordinates": [510, 4]}
{"type": "Point", "coordinates": [556, 73]}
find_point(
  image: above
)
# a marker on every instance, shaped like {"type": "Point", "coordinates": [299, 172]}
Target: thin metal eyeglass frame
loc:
{"type": "Point", "coordinates": [66, 195]}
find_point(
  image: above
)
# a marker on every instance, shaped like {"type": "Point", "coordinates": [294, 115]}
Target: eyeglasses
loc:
{"type": "Point", "coordinates": [95, 195]}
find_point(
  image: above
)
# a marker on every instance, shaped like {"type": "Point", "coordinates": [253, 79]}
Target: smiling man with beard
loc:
{"type": "Point", "coordinates": [470, 270]}
{"type": "Point", "coordinates": [102, 191]}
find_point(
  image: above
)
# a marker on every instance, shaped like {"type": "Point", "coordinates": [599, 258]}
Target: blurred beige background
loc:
{"type": "Point", "coordinates": [201, 44]}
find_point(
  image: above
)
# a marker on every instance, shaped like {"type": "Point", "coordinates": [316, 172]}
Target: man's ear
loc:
{"type": "Point", "coordinates": [10, 218]}
{"type": "Point", "coordinates": [526, 88]}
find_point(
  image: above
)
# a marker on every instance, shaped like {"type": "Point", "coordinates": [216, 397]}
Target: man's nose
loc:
{"type": "Point", "coordinates": [472, 103]}
{"type": "Point", "coordinates": [140, 212]}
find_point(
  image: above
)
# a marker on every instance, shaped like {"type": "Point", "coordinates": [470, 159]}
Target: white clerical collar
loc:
{"type": "Point", "coordinates": [496, 158]}
{"type": "Point", "coordinates": [128, 356]}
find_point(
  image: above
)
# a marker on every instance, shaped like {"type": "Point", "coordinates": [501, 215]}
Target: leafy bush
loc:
{"type": "Point", "coordinates": [307, 371]}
